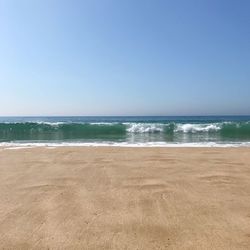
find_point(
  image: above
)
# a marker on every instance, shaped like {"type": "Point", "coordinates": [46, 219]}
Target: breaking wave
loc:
{"type": "Point", "coordinates": [196, 128]}
{"type": "Point", "coordinates": [39, 131]}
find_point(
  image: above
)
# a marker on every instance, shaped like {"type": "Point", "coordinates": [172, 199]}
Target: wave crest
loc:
{"type": "Point", "coordinates": [145, 128]}
{"type": "Point", "coordinates": [195, 128]}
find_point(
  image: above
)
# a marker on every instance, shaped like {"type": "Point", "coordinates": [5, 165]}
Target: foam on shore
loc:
{"type": "Point", "coordinates": [14, 145]}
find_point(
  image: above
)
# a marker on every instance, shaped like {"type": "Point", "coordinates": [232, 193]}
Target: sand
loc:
{"type": "Point", "coordinates": [125, 198]}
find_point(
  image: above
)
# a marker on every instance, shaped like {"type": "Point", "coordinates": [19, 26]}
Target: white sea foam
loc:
{"type": "Point", "coordinates": [144, 127]}
{"type": "Point", "coordinates": [12, 145]}
{"type": "Point", "coordinates": [103, 123]}
{"type": "Point", "coordinates": [36, 122]}
{"type": "Point", "coordinates": [49, 123]}
{"type": "Point", "coordinates": [82, 123]}
{"type": "Point", "coordinates": [184, 128]}
{"type": "Point", "coordinates": [194, 128]}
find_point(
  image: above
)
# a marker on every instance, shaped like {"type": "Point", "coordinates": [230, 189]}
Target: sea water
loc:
{"type": "Point", "coordinates": [126, 131]}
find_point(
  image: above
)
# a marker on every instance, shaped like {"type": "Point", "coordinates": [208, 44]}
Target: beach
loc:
{"type": "Point", "coordinates": [124, 198]}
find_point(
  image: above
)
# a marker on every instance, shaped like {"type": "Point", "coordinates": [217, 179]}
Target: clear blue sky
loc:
{"type": "Point", "coordinates": [124, 57]}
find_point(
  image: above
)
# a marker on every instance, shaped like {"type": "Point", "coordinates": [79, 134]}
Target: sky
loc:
{"type": "Point", "coordinates": [124, 57]}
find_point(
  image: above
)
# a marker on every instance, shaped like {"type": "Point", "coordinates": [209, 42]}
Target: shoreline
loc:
{"type": "Point", "coordinates": [125, 145]}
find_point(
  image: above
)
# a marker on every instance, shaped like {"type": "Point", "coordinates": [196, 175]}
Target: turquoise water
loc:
{"type": "Point", "coordinates": [127, 130]}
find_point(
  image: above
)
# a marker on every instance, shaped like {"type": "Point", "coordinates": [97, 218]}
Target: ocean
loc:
{"type": "Point", "coordinates": [126, 131]}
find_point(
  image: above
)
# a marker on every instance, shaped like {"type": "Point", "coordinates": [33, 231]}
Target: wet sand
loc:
{"type": "Point", "coordinates": [125, 198]}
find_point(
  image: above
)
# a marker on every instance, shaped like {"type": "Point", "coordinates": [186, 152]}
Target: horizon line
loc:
{"type": "Point", "coordinates": [121, 115]}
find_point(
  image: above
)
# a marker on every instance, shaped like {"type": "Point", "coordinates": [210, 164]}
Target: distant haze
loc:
{"type": "Point", "coordinates": [112, 57]}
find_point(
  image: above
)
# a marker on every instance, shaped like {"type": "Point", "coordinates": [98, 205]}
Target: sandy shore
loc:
{"type": "Point", "coordinates": [125, 198]}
